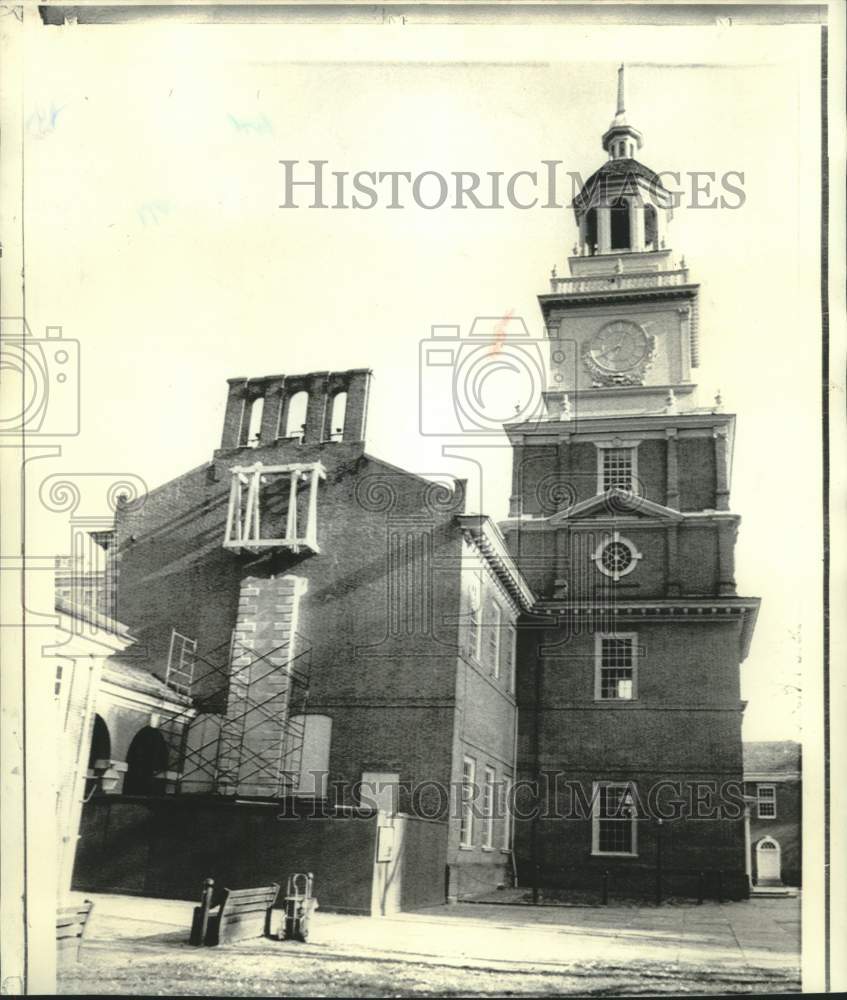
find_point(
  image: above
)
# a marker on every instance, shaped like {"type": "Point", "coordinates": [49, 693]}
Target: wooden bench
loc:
{"type": "Point", "coordinates": [241, 913]}
{"type": "Point", "coordinates": [71, 922]}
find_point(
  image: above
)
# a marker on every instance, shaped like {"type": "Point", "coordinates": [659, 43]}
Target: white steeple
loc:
{"type": "Point", "coordinates": [621, 140]}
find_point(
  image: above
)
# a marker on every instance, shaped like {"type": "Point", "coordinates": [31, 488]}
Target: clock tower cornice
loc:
{"type": "Point", "coordinates": [575, 300]}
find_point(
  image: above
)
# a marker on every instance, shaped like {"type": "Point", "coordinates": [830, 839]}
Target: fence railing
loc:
{"type": "Point", "coordinates": [643, 883]}
{"type": "Point", "coordinates": [622, 280]}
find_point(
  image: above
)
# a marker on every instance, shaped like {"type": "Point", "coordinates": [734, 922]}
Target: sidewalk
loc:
{"type": "Point", "coordinates": [733, 941]}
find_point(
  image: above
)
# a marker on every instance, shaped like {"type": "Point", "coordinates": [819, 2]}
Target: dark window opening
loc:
{"type": "Point", "coordinates": [591, 230]}
{"type": "Point", "coordinates": [620, 226]}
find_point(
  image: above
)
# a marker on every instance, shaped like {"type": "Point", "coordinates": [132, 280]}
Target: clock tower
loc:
{"type": "Point", "coordinates": [629, 670]}
{"type": "Point", "coordinates": [624, 323]}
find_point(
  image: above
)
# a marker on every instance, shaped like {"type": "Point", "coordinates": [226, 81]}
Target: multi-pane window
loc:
{"type": "Point", "coordinates": [474, 616]}
{"type": "Point", "coordinates": [617, 469]}
{"type": "Point", "coordinates": [511, 638]}
{"type": "Point", "coordinates": [615, 668]}
{"type": "Point", "coordinates": [766, 801]}
{"type": "Point", "coordinates": [507, 815]}
{"type": "Point", "coordinates": [614, 819]}
{"type": "Point", "coordinates": [468, 789]}
{"type": "Point", "coordinates": [492, 637]}
{"type": "Point", "coordinates": [488, 808]}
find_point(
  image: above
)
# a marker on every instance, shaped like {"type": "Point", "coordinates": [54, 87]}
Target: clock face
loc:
{"type": "Point", "coordinates": [619, 346]}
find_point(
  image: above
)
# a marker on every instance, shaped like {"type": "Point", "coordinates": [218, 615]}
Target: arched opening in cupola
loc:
{"type": "Point", "coordinates": [620, 225]}
{"type": "Point", "coordinates": [591, 231]}
{"type": "Point", "coordinates": [651, 228]}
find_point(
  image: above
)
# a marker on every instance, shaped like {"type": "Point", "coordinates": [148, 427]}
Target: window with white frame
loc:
{"type": "Point", "coordinates": [617, 468]}
{"type": "Point", "coordinates": [766, 801]}
{"type": "Point", "coordinates": [475, 616]}
{"type": "Point", "coordinates": [614, 819]}
{"type": "Point", "coordinates": [468, 790]}
{"type": "Point", "coordinates": [615, 666]}
{"type": "Point", "coordinates": [488, 808]}
{"type": "Point", "coordinates": [492, 638]}
{"type": "Point", "coordinates": [511, 643]}
{"type": "Point", "coordinates": [507, 815]}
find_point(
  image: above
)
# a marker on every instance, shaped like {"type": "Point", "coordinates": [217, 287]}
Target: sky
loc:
{"type": "Point", "coordinates": [154, 237]}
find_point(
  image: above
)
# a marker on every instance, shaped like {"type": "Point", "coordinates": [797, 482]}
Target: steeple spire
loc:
{"type": "Point", "coordinates": [621, 140]}
{"type": "Point", "coordinates": [621, 101]}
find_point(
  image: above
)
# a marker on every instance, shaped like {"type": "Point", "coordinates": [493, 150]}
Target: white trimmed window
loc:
{"type": "Point", "coordinates": [615, 666]}
{"type": "Point", "coordinates": [617, 468]}
{"type": "Point", "coordinates": [766, 801]}
{"type": "Point", "coordinates": [468, 790]}
{"type": "Point", "coordinates": [492, 637]}
{"type": "Point", "coordinates": [488, 809]}
{"type": "Point", "coordinates": [507, 815]}
{"type": "Point", "coordinates": [510, 646]}
{"type": "Point", "coordinates": [475, 616]}
{"type": "Point", "coordinates": [613, 826]}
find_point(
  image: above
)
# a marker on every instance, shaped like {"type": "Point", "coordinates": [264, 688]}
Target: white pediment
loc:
{"type": "Point", "coordinates": [616, 504]}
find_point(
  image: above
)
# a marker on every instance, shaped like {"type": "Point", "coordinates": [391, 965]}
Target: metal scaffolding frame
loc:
{"type": "Point", "coordinates": [226, 760]}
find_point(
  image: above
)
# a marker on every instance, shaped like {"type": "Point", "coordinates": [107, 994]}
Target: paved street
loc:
{"type": "Point", "coordinates": [139, 945]}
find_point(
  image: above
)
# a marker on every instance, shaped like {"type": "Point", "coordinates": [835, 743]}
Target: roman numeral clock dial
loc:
{"type": "Point", "coordinates": [619, 353]}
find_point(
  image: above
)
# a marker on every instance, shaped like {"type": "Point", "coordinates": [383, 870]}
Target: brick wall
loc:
{"type": "Point", "coordinates": [550, 554]}
{"type": "Point", "coordinates": [377, 612]}
{"type": "Point", "coordinates": [786, 829]}
{"type": "Point", "coordinates": [537, 468]}
{"type": "Point", "coordinates": [167, 847]}
{"type": "Point", "coordinates": [684, 726]}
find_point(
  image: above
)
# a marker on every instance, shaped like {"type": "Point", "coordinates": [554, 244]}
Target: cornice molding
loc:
{"type": "Point", "coordinates": [574, 300]}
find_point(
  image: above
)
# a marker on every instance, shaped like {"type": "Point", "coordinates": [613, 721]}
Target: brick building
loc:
{"type": "Point", "coordinates": [773, 780]}
{"type": "Point", "coordinates": [338, 621]}
{"type": "Point", "coordinates": [629, 681]}
{"type": "Point", "coordinates": [348, 634]}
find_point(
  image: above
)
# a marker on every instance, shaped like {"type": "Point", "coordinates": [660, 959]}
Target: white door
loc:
{"type": "Point", "coordinates": [768, 864]}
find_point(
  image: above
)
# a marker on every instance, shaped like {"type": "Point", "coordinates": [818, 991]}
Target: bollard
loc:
{"type": "Point", "coordinates": [700, 884]}
{"type": "Point", "coordinates": [720, 886]}
{"type": "Point", "coordinates": [200, 921]}
{"type": "Point", "coordinates": [605, 895]}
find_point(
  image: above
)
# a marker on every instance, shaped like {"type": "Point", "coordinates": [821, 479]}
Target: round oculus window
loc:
{"type": "Point", "coordinates": [616, 557]}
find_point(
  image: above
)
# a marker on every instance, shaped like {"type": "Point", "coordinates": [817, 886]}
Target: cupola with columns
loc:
{"type": "Point", "coordinates": [623, 326]}
{"type": "Point", "coordinates": [623, 207]}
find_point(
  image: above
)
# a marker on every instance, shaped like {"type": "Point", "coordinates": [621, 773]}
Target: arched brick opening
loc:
{"type": "Point", "coordinates": [295, 417]}
{"type": "Point", "coordinates": [146, 758]}
{"type": "Point", "coordinates": [338, 414]}
{"type": "Point", "coordinates": [101, 742]}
